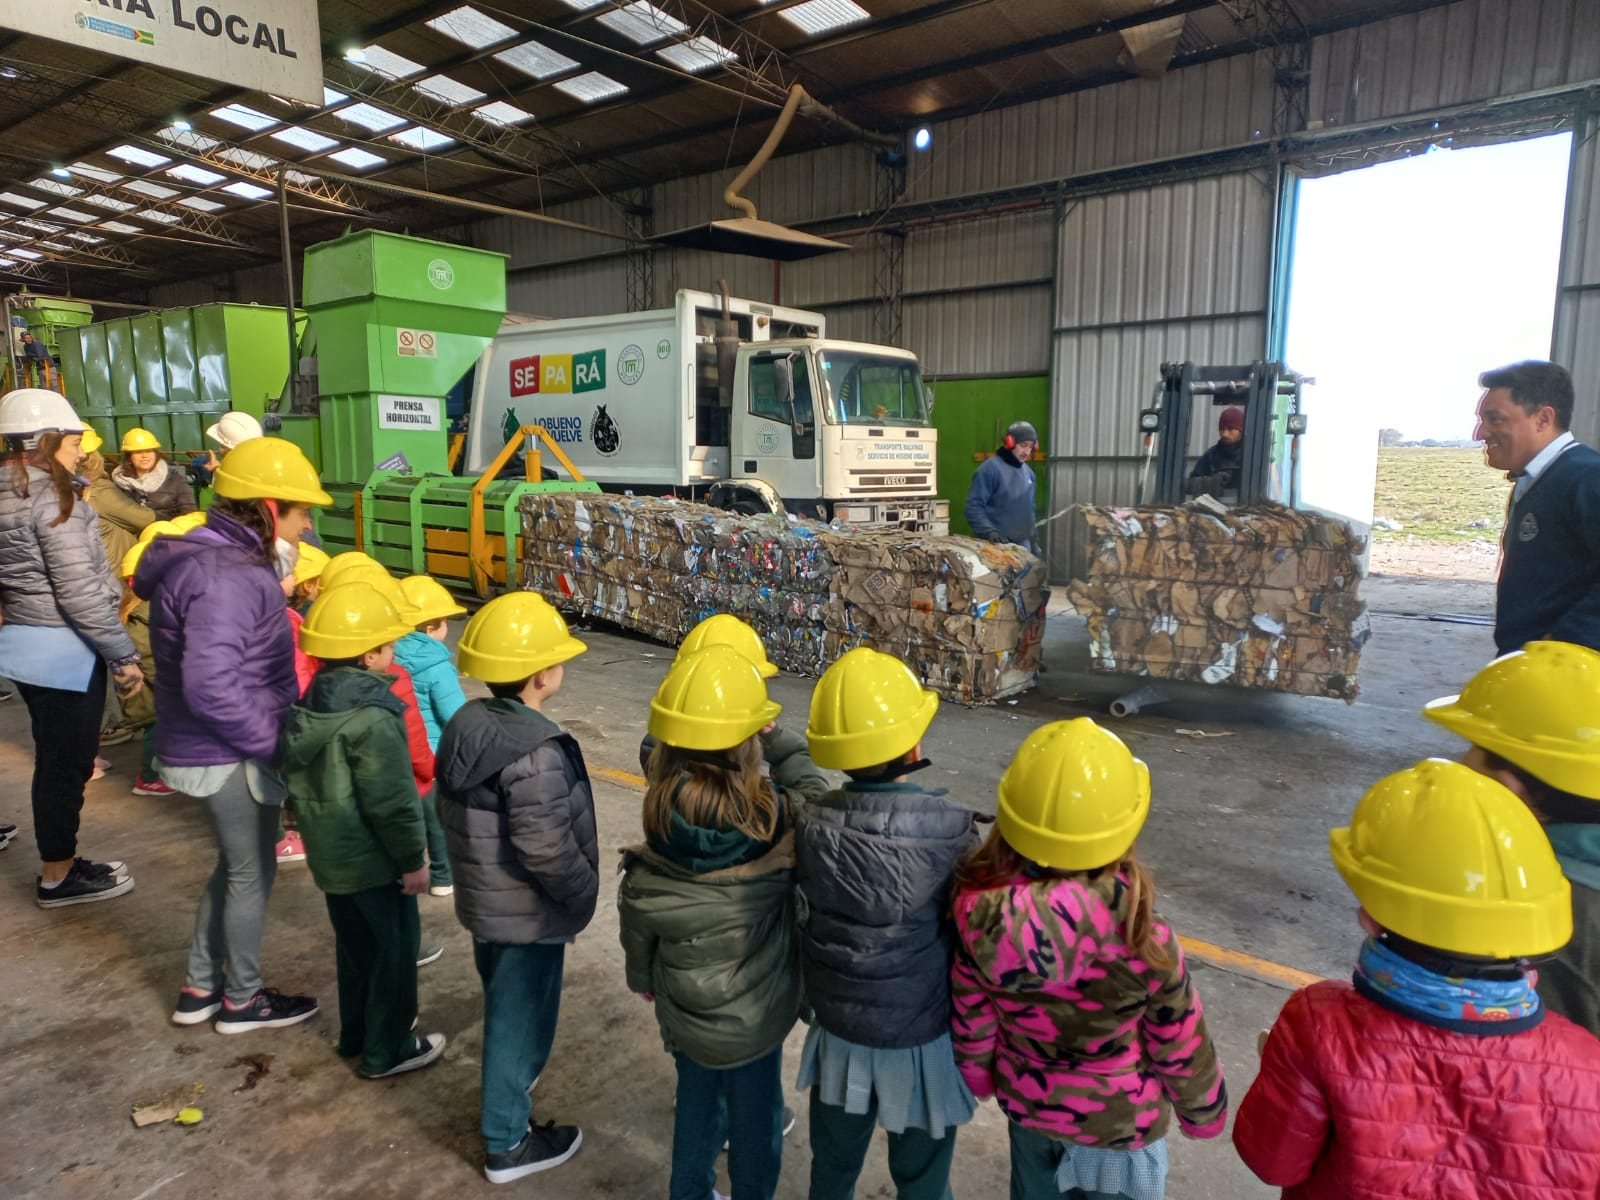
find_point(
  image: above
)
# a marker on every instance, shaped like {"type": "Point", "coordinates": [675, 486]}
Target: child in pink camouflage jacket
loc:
{"type": "Point", "coordinates": [1072, 1004]}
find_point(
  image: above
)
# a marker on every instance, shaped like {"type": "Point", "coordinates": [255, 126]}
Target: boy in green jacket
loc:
{"type": "Point", "coordinates": [358, 812]}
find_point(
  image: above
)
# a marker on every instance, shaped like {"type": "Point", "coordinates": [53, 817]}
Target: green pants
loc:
{"type": "Point", "coordinates": [919, 1163]}
{"type": "Point", "coordinates": [1034, 1159]}
{"type": "Point", "coordinates": [376, 933]}
{"type": "Point", "coordinates": [439, 873]}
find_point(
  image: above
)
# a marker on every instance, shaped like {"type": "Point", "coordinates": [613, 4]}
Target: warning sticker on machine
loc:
{"type": "Point", "coordinates": [416, 343]}
{"type": "Point", "coordinates": [409, 412]}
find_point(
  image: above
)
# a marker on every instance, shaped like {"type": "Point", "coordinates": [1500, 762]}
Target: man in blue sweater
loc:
{"type": "Point", "coordinates": [1000, 505]}
{"type": "Point", "coordinates": [1550, 566]}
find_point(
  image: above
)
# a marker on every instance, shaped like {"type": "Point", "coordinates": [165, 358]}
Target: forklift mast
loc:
{"type": "Point", "coordinates": [1270, 396]}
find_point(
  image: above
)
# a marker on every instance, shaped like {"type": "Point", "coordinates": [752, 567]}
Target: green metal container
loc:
{"type": "Point", "coordinates": [398, 320]}
{"type": "Point", "coordinates": [96, 356]}
{"type": "Point", "coordinates": [124, 375]}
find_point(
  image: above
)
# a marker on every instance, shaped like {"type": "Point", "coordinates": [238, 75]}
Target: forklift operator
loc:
{"type": "Point", "coordinates": [1217, 470]}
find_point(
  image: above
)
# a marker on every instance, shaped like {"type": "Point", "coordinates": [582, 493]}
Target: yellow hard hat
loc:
{"type": "Point", "coordinates": [139, 439]}
{"type": "Point", "coordinates": [91, 441]}
{"type": "Point", "coordinates": [130, 560]}
{"type": "Point", "coordinates": [377, 575]}
{"type": "Point", "coordinates": [349, 620]}
{"type": "Point", "coordinates": [713, 699]}
{"type": "Point", "coordinates": [1539, 709]}
{"type": "Point", "coordinates": [340, 563]}
{"type": "Point", "coordinates": [867, 709]}
{"type": "Point", "coordinates": [429, 597]}
{"type": "Point", "coordinates": [513, 637]}
{"type": "Point", "coordinates": [1451, 859]}
{"type": "Point", "coordinates": [189, 520]}
{"type": "Point", "coordinates": [269, 469]}
{"type": "Point", "coordinates": [310, 563]}
{"type": "Point", "coordinates": [1074, 797]}
{"type": "Point", "coordinates": [724, 629]}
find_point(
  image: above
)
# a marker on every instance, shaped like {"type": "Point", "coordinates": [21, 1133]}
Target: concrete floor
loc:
{"type": "Point", "coordinates": [1238, 839]}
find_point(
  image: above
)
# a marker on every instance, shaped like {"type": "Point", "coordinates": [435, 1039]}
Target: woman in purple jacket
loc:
{"type": "Point", "coordinates": [224, 683]}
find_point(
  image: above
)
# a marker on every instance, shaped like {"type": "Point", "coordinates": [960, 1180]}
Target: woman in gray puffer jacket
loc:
{"type": "Point", "coordinates": [60, 633]}
{"type": "Point", "coordinates": [874, 863]}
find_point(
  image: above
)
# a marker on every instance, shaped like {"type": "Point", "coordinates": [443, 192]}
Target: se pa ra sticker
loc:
{"type": "Point", "coordinates": [557, 374]}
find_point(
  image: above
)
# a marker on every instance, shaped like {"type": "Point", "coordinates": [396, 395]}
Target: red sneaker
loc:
{"type": "Point", "coordinates": [291, 849]}
{"type": "Point", "coordinates": [151, 787]}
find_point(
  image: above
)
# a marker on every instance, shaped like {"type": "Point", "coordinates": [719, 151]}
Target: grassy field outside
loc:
{"type": "Point", "coordinates": [1439, 495]}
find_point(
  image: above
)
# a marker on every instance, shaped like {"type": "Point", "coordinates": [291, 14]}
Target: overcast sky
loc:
{"type": "Point", "coordinates": [1412, 277]}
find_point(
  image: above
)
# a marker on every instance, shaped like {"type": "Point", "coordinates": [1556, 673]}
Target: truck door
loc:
{"type": "Point", "coordinates": [775, 442]}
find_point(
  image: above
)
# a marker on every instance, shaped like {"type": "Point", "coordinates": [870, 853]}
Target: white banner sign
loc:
{"type": "Point", "coordinates": [265, 45]}
{"type": "Point", "coordinates": [409, 412]}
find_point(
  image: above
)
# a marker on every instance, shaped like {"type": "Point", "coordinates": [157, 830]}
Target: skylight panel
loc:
{"type": "Point", "coordinates": [501, 113]}
{"type": "Point", "coordinates": [359, 159]}
{"type": "Point", "coordinates": [451, 91]}
{"type": "Point", "coordinates": [154, 190]}
{"type": "Point", "coordinates": [591, 88]}
{"type": "Point", "coordinates": [54, 187]}
{"type": "Point", "coordinates": [61, 246]}
{"type": "Point", "coordinates": [248, 159]}
{"type": "Point", "coordinates": [159, 217]}
{"type": "Point", "coordinates": [248, 190]}
{"type": "Point", "coordinates": [201, 204]}
{"type": "Point", "coordinates": [697, 54]}
{"type": "Point", "coordinates": [245, 117]}
{"type": "Point", "coordinates": [87, 238]}
{"type": "Point", "coordinates": [387, 62]}
{"type": "Point", "coordinates": [120, 227]}
{"type": "Point", "coordinates": [331, 97]}
{"type": "Point", "coordinates": [471, 28]}
{"type": "Point", "coordinates": [8, 262]}
{"type": "Point", "coordinates": [370, 116]}
{"type": "Point", "coordinates": [586, 5]}
{"type": "Point", "coordinates": [41, 226]}
{"type": "Point", "coordinates": [187, 137]}
{"type": "Point", "coordinates": [21, 253]}
{"type": "Point", "coordinates": [72, 214]}
{"type": "Point", "coordinates": [190, 173]}
{"type": "Point", "coordinates": [110, 202]}
{"type": "Point", "coordinates": [821, 16]}
{"type": "Point", "coordinates": [139, 156]}
{"type": "Point", "coordinates": [537, 60]}
{"type": "Point", "coordinates": [420, 137]}
{"type": "Point", "coordinates": [98, 174]}
{"type": "Point", "coordinates": [642, 22]}
{"type": "Point", "coordinates": [17, 201]}
{"type": "Point", "coordinates": [305, 139]}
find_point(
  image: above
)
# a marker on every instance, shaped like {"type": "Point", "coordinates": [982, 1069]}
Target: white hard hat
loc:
{"type": "Point", "coordinates": [231, 428]}
{"type": "Point", "coordinates": [37, 410]}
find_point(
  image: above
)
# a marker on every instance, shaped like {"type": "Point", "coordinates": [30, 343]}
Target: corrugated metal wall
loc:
{"type": "Point", "coordinates": [1577, 331]}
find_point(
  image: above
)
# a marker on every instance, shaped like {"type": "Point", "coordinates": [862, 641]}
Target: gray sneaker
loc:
{"type": "Point", "coordinates": [542, 1147]}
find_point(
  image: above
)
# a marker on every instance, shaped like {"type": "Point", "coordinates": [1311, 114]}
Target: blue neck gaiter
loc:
{"type": "Point", "coordinates": [1482, 1007]}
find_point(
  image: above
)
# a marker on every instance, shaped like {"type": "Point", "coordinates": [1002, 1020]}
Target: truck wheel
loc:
{"type": "Point", "coordinates": [746, 507]}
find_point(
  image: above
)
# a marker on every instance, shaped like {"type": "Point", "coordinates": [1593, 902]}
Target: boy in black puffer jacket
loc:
{"type": "Point", "coordinates": [518, 817]}
{"type": "Point", "coordinates": [874, 863]}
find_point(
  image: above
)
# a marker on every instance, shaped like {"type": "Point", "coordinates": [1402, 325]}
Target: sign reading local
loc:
{"type": "Point", "coordinates": [264, 45]}
{"type": "Point", "coordinates": [420, 413]}
{"type": "Point", "coordinates": [558, 374]}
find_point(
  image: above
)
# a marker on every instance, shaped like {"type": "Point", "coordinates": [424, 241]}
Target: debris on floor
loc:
{"type": "Point", "coordinates": [170, 1107]}
{"type": "Point", "coordinates": [1259, 597]}
{"type": "Point", "coordinates": [259, 1064]}
{"type": "Point", "coordinates": [968, 616]}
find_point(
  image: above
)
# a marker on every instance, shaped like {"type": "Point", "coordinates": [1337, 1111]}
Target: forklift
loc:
{"type": "Point", "coordinates": [1269, 395]}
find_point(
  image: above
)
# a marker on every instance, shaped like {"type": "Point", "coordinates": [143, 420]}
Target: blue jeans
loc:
{"type": "Point", "coordinates": [744, 1106]}
{"type": "Point", "coordinates": [521, 1001]}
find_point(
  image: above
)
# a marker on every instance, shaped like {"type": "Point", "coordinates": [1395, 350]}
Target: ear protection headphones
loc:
{"type": "Point", "coordinates": [1010, 443]}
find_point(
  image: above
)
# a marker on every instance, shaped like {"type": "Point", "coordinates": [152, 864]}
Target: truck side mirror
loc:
{"type": "Point", "coordinates": [927, 397]}
{"type": "Point", "coordinates": [783, 381]}
{"type": "Point", "coordinates": [727, 344]}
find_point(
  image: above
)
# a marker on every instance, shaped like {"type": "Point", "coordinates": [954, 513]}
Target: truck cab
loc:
{"type": "Point", "coordinates": [833, 430]}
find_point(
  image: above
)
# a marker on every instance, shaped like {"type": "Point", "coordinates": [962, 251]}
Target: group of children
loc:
{"type": "Point", "coordinates": [937, 967]}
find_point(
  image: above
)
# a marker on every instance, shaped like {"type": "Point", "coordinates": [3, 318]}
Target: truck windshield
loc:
{"type": "Point", "coordinates": [864, 389]}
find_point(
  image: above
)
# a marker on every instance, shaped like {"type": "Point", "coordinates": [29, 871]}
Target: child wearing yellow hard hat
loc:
{"type": "Point", "coordinates": [719, 629]}
{"type": "Point", "coordinates": [1533, 718]}
{"type": "Point", "coordinates": [874, 861]}
{"type": "Point", "coordinates": [514, 797]}
{"type": "Point", "coordinates": [301, 586]}
{"type": "Point", "coordinates": [1073, 1005]}
{"type": "Point", "coordinates": [139, 711]}
{"type": "Point", "coordinates": [708, 912]}
{"type": "Point", "coordinates": [360, 816]}
{"type": "Point", "coordinates": [1437, 1072]}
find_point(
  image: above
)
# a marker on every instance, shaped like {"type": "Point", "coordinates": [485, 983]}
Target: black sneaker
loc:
{"type": "Point", "coordinates": [80, 887]}
{"type": "Point", "coordinates": [542, 1147]}
{"type": "Point", "coordinates": [427, 1051]}
{"type": "Point", "coordinates": [7, 833]}
{"type": "Point", "coordinates": [268, 1009]}
{"type": "Point", "coordinates": [90, 867]}
{"type": "Point", "coordinates": [195, 1007]}
{"type": "Point", "coordinates": [429, 953]}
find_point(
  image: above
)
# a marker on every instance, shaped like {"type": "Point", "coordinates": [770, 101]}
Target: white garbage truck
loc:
{"type": "Point", "coordinates": [734, 403]}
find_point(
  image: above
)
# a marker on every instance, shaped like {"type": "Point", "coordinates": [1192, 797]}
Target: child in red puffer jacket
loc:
{"type": "Point", "coordinates": [1437, 1074]}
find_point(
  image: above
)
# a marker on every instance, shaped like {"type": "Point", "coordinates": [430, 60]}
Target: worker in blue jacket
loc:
{"type": "Point", "coordinates": [1000, 504]}
{"type": "Point", "coordinates": [1550, 568]}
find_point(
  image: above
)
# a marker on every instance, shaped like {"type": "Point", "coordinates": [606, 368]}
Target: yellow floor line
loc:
{"type": "Point", "coordinates": [1220, 957]}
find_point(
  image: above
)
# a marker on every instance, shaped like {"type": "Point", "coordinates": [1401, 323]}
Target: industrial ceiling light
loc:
{"type": "Point", "coordinates": [923, 138]}
{"type": "Point", "coordinates": [355, 54]}
{"type": "Point", "coordinates": [180, 123]}
{"type": "Point", "coordinates": [61, 173]}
